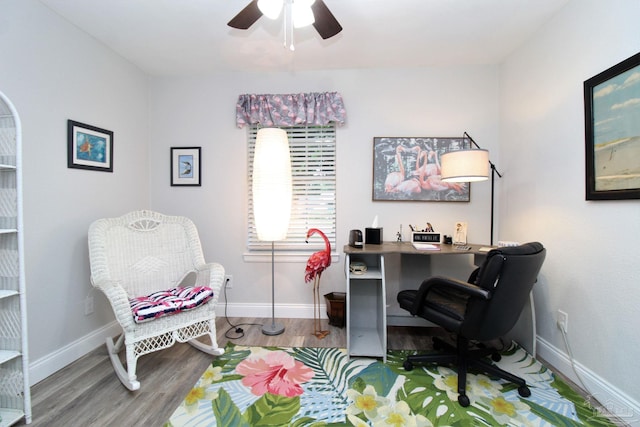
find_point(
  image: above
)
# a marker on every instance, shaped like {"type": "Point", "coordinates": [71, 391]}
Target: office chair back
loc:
{"type": "Point", "coordinates": [509, 274]}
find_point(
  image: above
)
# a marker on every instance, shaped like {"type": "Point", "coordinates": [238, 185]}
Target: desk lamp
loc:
{"type": "Point", "coordinates": [271, 188]}
{"type": "Point", "coordinates": [469, 165]}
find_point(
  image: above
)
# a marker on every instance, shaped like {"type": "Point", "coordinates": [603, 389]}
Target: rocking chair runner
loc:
{"type": "Point", "coordinates": [144, 253]}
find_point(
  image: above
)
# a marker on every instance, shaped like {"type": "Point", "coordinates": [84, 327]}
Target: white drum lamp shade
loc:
{"type": "Point", "coordinates": [465, 166]}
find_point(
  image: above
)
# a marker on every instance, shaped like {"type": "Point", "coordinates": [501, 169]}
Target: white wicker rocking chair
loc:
{"type": "Point", "coordinates": [138, 254]}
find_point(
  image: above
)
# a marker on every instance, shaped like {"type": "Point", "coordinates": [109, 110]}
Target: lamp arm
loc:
{"type": "Point", "coordinates": [470, 139]}
{"type": "Point", "coordinates": [493, 169]}
{"type": "Point", "coordinates": [493, 166]}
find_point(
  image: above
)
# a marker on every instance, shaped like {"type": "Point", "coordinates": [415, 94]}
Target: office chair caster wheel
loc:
{"type": "Point", "coordinates": [463, 400]}
{"type": "Point", "coordinates": [496, 357]}
{"type": "Point", "coordinates": [408, 366]}
{"type": "Point", "coordinates": [524, 391]}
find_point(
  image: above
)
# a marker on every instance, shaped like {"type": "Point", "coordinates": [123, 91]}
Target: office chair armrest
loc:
{"type": "Point", "coordinates": [447, 283]}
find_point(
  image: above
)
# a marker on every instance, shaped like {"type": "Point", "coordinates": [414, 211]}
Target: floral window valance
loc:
{"type": "Point", "coordinates": [290, 109]}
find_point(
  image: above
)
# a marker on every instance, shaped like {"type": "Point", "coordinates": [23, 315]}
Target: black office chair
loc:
{"type": "Point", "coordinates": [483, 309]}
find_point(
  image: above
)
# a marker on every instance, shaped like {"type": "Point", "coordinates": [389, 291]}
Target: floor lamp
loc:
{"type": "Point", "coordinates": [271, 189]}
{"type": "Point", "coordinates": [469, 165]}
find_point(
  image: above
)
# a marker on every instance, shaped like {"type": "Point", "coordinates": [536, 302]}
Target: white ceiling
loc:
{"type": "Point", "coordinates": [190, 37]}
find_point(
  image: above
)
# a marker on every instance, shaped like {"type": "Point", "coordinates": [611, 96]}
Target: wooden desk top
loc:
{"type": "Point", "coordinates": [407, 248]}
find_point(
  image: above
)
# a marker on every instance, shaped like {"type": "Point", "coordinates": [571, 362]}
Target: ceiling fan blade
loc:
{"type": "Point", "coordinates": [246, 17]}
{"type": "Point", "coordinates": [326, 24]}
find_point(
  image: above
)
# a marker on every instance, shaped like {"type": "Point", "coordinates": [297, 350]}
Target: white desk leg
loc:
{"type": "Point", "coordinates": [524, 331]}
{"type": "Point", "coordinates": [533, 326]}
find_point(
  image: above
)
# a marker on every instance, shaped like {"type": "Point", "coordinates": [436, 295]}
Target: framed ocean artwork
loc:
{"type": "Point", "coordinates": [89, 147]}
{"type": "Point", "coordinates": [612, 132]}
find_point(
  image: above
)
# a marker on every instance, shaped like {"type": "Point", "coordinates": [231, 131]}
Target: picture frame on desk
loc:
{"type": "Point", "coordinates": [460, 234]}
{"type": "Point", "coordinates": [612, 132]}
{"type": "Point", "coordinates": [408, 169]}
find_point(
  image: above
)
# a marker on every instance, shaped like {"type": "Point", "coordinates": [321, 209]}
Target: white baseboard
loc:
{"type": "Point", "coordinates": [288, 311]}
{"type": "Point", "coordinates": [609, 397]}
{"type": "Point", "coordinates": [53, 362]}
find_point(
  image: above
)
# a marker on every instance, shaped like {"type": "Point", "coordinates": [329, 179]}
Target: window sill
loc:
{"type": "Point", "coordinates": [265, 256]}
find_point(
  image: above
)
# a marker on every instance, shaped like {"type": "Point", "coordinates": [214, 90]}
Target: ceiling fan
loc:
{"type": "Point", "coordinates": [323, 20]}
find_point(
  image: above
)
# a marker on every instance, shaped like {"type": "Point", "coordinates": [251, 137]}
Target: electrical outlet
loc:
{"type": "Point", "coordinates": [563, 321]}
{"type": "Point", "coordinates": [88, 306]}
{"type": "Point", "coordinates": [228, 281]}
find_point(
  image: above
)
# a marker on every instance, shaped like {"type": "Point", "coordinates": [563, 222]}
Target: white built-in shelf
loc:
{"type": "Point", "coordinates": [10, 416]}
{"type": "Point", "coordinates": [6, 355]}
{"type": "Point", "coordinates": [6, 294]}
{"type": "Point", "coordinates": [15, 395]}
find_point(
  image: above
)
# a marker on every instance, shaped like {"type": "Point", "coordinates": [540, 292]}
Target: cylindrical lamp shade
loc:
{"type": "Point", "coordinates": [270, 8]}
{"type": "Point", "coordinates": [465, 166]}
{"type": "Point", "coordinates": [271, 185]}
{"type": "Point", "coordinates": [302, 13]}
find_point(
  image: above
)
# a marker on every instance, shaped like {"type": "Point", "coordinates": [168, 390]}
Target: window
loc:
{"type": "Point", "coordinates": [313, 169]}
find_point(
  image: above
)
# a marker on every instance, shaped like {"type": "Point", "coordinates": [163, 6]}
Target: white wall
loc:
{"type": "Point", "coordinates": [528, 112]}
{"type": "Point", "coordinates": [51, 71]}
{"type": "Point", "coordinates": [398, 102]}
{"type": "Point", "coordinates": [592, 270]}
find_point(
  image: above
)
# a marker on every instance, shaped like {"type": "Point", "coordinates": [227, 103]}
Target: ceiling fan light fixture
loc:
{"type": "Point", "coordinates": [270, 8]}
{"type": "Point", "coordinates": [297, 14]}
{"type": "Point", "coordinates": [302, 13]}
{"type": "Point", "coordinates": [302, 16]}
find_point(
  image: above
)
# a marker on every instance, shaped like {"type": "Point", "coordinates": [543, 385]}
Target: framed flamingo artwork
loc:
{"type": "Point", "coordinates": [185, 166]}
{"type": "Point", "coordinates": [89, 147]}
{"type": "Point", "coordinates": [408, 169]}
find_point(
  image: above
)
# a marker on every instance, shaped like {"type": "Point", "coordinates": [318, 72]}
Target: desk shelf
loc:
{"type": "Point", "coordinates": [373, 273]}
{"type": "Point", "coordinates": [366, 342]}
{"type": "Point", "coordinates": [366, 308]}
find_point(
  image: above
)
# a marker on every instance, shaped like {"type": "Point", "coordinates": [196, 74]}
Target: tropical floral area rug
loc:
{"type": "Point", "coordinates": [273, 386]}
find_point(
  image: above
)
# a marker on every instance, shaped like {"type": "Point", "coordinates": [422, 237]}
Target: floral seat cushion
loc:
{"type": "Point", "coordinates": [167, 302]}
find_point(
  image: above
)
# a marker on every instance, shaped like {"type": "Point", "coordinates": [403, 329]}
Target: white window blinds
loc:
{"type": "Point", "coordinates": [313, 168]}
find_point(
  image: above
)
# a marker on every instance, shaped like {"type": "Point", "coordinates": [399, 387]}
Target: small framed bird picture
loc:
{"type": "Point", "coordinates": [89, 147]}
{"type": "Point", "coordinates": [185, 166]}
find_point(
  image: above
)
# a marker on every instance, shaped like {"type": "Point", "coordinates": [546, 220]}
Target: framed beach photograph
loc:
{"type": "Point", "coordinates": [612, 132]}
{"type": "Point", "coordinates": [185, 166]}
{"type": "Point", "coordinates": [408, 169]}
{"type": "Point", "coordinates": [89, 147]}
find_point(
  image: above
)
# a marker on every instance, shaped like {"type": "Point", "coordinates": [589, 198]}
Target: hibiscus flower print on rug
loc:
{"type": "Point", "coordinates": [275, 372]}
{"type": "Point", "coordinates": [298, 387]}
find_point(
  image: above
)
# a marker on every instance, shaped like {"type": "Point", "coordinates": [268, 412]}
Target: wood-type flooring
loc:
{"type": "Point", "coordinates": [88, 393]}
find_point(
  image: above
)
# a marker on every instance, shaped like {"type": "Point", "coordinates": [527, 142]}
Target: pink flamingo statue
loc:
{"type": "Point", "coordinates": [316, 264]}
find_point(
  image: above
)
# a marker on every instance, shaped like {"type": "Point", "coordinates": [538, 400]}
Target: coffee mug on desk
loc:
{"type": "Point", "coordinates": [355, 238]}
